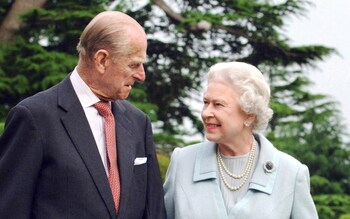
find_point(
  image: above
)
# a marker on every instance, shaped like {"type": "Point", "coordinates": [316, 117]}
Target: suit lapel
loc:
{"type": "Point", "coordinates": [77, 126]}
{"type": "Point", "coordinates": [126, 152]}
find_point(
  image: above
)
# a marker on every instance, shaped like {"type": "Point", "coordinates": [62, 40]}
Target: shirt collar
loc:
{"type": "Point", "coordinates": [86, 97]}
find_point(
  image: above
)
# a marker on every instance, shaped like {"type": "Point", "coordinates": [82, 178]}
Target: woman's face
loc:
{"type": "Point", "coordinates": [222, 116]}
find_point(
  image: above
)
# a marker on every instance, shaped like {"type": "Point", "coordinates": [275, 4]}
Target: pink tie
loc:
{"type": "Point", "coordinates": [104, 110]}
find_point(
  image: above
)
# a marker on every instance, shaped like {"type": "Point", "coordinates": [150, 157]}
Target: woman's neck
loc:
{"type": "Point", "coordinates": [238, 147]}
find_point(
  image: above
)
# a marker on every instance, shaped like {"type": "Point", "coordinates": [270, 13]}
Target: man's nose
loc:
{"type": "Point", "coordinates": [140, 75]}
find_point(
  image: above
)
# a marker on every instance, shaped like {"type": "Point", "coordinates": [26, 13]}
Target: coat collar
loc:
{"type": "Point", "coordinates": [264, 177]}
{"type": "Point", "coordinates": [205, 166]}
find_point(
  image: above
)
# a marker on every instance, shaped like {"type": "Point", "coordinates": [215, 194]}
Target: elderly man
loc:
{"type": "Point", "coordinates": [78, 149]}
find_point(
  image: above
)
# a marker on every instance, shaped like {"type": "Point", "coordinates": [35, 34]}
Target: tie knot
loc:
{"type": "Point", "coordinates": [103, 108]}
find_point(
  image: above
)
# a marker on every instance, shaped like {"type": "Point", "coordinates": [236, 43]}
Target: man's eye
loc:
{"type": "Point", "coordinates": [134, 65]}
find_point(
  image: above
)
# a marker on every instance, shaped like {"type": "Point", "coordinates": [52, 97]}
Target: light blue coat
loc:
{"type": "Point", "coordinates": [192, 188]}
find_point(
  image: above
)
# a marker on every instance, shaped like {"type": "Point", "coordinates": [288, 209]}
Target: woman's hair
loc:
{"type": "Point", "coordinates": [251, 86]}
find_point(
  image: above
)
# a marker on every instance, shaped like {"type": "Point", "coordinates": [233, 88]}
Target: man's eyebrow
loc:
{"type": "Point", "coordinates": [140, 60]}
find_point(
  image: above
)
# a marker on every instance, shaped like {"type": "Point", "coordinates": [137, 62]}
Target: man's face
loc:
{"type": "Point", "coordinates": [122, 72]}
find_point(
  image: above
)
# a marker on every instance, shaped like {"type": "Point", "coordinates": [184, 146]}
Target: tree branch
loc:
{"type": "Point", "coordinates": [176, 16]}
{"type": "Point", "coordinates": [205, 26]}
{"type": "Point", "coordinates": [12, 22]}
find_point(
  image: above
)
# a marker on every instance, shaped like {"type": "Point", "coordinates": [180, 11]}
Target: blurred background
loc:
{"type": "Point", "coordinates": [326, 23]}
{"type": "Point", "coordinates": [299, 45]}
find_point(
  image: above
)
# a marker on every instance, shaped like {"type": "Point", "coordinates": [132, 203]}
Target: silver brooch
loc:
{"type": "Point", "coordinates": [269, 167]}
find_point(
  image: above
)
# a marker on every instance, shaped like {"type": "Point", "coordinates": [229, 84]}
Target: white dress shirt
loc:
{"type": "Point", "coordinates": [87, 99]}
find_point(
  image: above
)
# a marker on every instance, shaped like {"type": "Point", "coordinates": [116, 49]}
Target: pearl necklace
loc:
{"type": "Point", "coordinates": [245, 173]}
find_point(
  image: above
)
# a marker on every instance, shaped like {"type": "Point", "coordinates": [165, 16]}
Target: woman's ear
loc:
{"type": "Point", "coordinates": [249, 120]}
{"type": "Point", "coordinates": [101, 60]}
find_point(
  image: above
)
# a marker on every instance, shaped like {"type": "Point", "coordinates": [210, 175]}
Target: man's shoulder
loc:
{"type": "Point", "coordinates": [126, 106]}
{"type": "Point", "coordinates": [44, 97]}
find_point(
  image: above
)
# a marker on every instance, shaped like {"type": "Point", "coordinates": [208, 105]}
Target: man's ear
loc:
{"type": "Point", "coordinates": [101, 60]}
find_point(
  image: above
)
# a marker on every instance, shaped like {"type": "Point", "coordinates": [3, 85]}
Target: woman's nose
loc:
{"type": "Point", "coordinates": [207, 112]}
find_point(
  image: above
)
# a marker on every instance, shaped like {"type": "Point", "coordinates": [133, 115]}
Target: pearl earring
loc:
{"type": "Point", "coordinates": [246, 124]}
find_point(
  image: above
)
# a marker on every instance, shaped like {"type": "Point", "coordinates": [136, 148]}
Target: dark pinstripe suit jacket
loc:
{"type": "Point", "coordinates": [50, 166]}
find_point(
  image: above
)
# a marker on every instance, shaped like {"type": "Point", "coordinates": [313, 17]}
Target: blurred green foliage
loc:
{"type": "Point", "coordinates": [163, 164]}
{"type": "Point", "coordinates": [332, 205]}
{"type": "Point", "coordinates": [2, 125]}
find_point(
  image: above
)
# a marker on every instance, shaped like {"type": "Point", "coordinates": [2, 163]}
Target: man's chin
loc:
{"type": "Point", "coordinates": [122, 96]}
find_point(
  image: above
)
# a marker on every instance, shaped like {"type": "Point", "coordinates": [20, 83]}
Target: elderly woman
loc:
{"type": "Point", "coordinates": [238, 173]}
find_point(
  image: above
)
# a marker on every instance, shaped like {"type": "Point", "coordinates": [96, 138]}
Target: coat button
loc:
{"type": "Point", "coordinates": [269, 166]}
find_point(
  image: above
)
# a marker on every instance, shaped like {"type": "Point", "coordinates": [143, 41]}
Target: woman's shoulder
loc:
{"type": "Point", "coordinates": [288, 161]}
{"type": "Point", "coordinates": [194, 148]}
{"type": "Point", "coordinates": [285, 160]}
{"type": "Point", "coordinates": [190, 151]}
